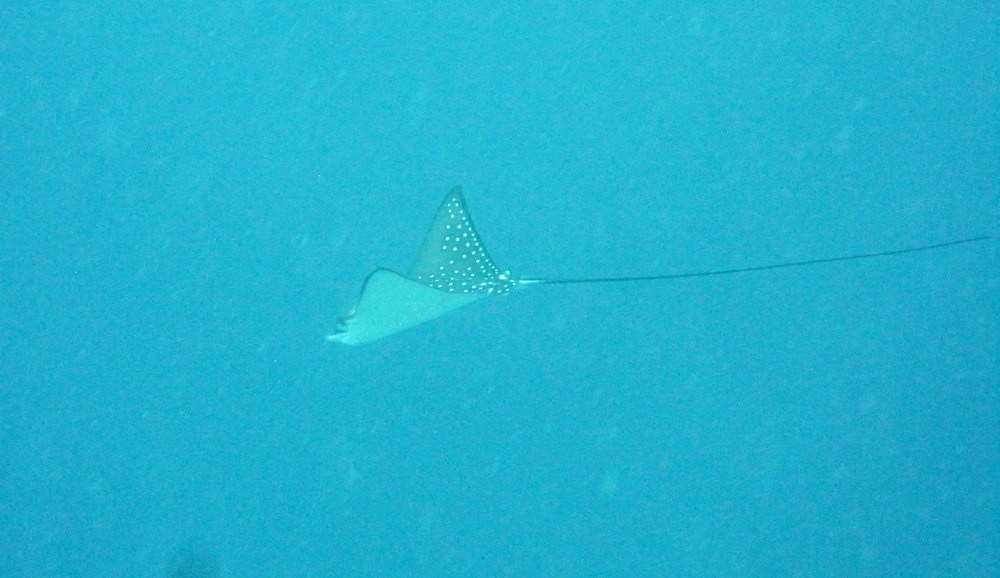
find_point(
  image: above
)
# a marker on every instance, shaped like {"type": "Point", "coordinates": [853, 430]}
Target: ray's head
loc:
{"type": "Point", "coordinates": [342, 330]}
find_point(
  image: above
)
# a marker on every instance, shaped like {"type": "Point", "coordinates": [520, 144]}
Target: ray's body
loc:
{"type": "Point", "coordinates": [453, 269]}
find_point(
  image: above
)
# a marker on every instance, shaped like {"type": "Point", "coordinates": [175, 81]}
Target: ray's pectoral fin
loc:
{"type": "Point", "coordinates": [452, 269]}
{"type": "Point", "coordinates": [390, 303]}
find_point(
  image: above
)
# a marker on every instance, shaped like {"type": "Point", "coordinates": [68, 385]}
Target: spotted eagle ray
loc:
{"type": "Point", "coordinates": [453, 269]}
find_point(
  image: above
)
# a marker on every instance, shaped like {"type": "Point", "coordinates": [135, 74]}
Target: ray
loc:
{"type": "Point", "coordinates": [453, 269]}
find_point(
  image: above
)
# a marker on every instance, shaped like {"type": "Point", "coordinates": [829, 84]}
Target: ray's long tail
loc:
{"type": "Point", "coordinates": [751, 269]}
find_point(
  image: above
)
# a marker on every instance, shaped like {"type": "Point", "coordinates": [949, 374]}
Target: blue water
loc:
{"type": "Point", "coordinates": [191, 191]}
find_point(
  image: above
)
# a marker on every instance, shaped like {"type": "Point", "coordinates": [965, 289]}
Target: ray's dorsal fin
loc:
{"type": "Point", "coordinates": [453, 269]}
{"type": "Point", "coordinates": [453, 257]}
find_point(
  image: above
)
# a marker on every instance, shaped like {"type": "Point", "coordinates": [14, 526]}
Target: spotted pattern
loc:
{"type": "Point", "coordinates": [461, 264]}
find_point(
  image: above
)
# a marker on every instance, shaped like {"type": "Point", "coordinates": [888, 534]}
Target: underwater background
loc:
{"type": "Point", "coordinates": [191, 192]}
